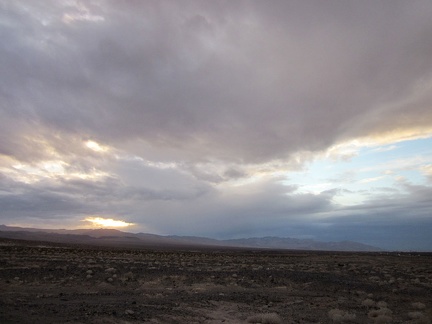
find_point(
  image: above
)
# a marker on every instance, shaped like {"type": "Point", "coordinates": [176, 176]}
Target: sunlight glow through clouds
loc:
{"type": "Point", "coordinates": [379, 142]}
{"type": "Point", "coordinates": [82, 13]}
{"type": "Point", "coordinates": [92, 145]}
{"type": "Point", "coordinates": [398, 136]}
{"type": "Point", "coordinates": [32, 173]}
{"type": "Point", "coordinates": [28, 174]}
{"type": "Point", "coordinates": [107, 222]}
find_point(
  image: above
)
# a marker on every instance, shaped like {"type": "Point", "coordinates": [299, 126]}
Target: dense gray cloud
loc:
{"type": "Point", "coordinates": [186, 98]}
{"type": "Point", "coordinates": [248, 82]}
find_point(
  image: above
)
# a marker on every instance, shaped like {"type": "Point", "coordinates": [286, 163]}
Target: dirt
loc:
{"type": "Point", "coordinates": [54, 283]}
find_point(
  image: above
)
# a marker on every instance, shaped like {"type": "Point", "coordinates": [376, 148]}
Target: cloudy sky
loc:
{"type": "Point", "coordinates": [226, 119]}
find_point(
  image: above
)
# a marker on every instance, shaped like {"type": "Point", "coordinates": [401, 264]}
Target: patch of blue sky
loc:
{"type": "Point", "coordinates": [370, 171]}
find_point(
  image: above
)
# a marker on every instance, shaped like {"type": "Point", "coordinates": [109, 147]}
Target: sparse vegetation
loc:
{"type": "Point", "coordinates": [64, 283]}
{"type": "Point", "coordinates": [382, 319]}
{"type": "Point", "coordinates": [382, 304]}
{"type": "Point", "coordinates": [377, 312]}
{"type": "Point", "coordinates": [339, 316]}
{"type": "Point", "coordinates": [418, 305]}
{"type": "Point", "coordinates": [270, 318]}
{"type": "Point", "coordinates": [368, 302]}
{"type": "Point", "coordinates": [419, 317]}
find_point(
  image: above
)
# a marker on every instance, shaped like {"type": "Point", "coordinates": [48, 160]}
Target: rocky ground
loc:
{"type": "Point", "coordinates": [53, 283]}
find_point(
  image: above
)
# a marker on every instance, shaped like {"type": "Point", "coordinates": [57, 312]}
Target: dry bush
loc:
{"type": "Point", "coordinates": [418, 305]}
{"type": "Point", "coordinates": [419, 318]}
{"type": "Point", "coordinates": [269, 318]}
{"type": "Point", "coordinates": [339, 316]}
{"type": "Point", "coordinates": [107, 320]}
{"type": "Point", "coordinates": [415, 315]}
{"type": "Point", "coordinates": [382, 304]}
{"type": "Point", "coordinates": [368, 302]}
{"type": "Point", "coordinates": [383, 319]}
{"type": "Point", "coordinates": [378, 312]}
{"type": "Point", "coordinates": [423, 320]}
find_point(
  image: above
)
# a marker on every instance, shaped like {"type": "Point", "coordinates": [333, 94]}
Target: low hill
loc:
{"type": "Point", "coordinates": [112, 237]}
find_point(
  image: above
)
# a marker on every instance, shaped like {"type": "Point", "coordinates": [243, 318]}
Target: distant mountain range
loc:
{"type": "Point", "coordinates": [116, 238]}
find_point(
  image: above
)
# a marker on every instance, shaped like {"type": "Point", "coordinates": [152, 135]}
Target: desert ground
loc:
{"type": "Point", "coordinates": [60, 283]}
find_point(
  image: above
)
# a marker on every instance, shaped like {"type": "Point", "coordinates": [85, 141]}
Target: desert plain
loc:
{"type": "Point", "coordinates": [66, 283]}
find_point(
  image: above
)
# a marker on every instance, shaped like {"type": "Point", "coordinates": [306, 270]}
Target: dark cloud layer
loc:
{"type": "Point", "coordinates": [247, 82]}
{"type": "Point", "coordinates": [188, 96]}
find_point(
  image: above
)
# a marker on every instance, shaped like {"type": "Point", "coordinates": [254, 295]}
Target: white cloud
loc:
{"type": "Point", "coordinates": [373, 179]}
{"type": "Point", "coordinates": [427, 171]}
{"type": "Point", "coordinates": [385, 148]}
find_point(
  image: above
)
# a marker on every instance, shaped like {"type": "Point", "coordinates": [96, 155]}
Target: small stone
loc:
{"type": "Point", "coordinates": [129, 312]}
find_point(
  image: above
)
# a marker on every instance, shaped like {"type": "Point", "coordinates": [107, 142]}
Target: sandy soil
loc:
{"type": "Point", "coordinates": [70, 284]}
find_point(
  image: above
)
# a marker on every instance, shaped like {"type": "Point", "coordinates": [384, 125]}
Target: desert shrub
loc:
{"type": "Point", "coordinates": [423, 320]}
{"type": "Point", "coordinates": [382, 304]}
{"type": "Point", "coordinates": [418, 305]}
{"type": "Point", "coordinates": [415, 315]}
{"type": "Point", "coordinates": [107, 320]}
{"type": "Point", "coordinates": [339, 316]}
{"type": "Point", "coordinates": [419, 318]}
{"type": "Point", "coordinates": [269, 318]}
{"type": "Point", "coordinates": [383, 319]}
{"type": "Point", "coordinates": [380, 312]}
{"type": "Point", "coordinates": [368, 302]}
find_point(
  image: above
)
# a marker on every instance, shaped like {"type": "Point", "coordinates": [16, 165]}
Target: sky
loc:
{"type": "Point", "coordinates": [224, 119]}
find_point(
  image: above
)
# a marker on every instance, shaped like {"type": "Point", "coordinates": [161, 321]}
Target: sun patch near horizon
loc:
{"type": "Point", "coordinates": [107, 222]}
